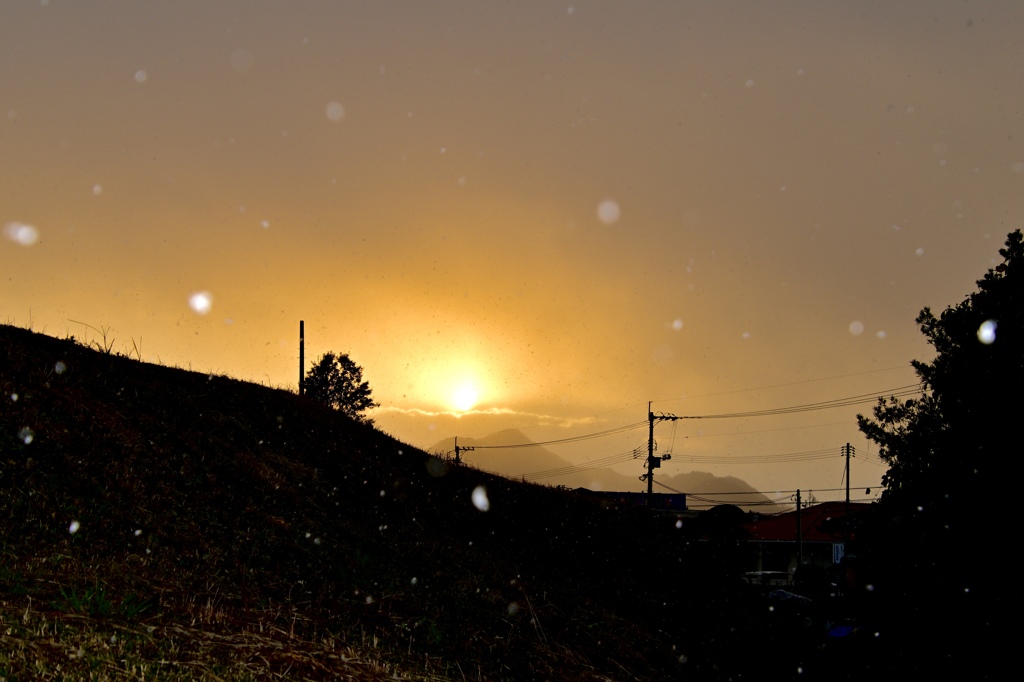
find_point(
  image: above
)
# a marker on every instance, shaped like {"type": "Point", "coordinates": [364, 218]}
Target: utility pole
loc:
{"type": "Point", "coordinates": [848, 452]}
{"type": "Point", "coordinates": [459, 451]}
{"type": "Point", "coordinates": [302, 359]}
{"type": "Point", "coordinates": [799, 533]}
{"type": "Point", "coordinates": [652, 461]}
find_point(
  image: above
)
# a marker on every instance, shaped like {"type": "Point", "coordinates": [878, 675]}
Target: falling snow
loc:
{"type": "Point", "coordinates": [987, 332]}
{"type": "Point", "coordinates": [480, 500]}
{"type": "Point", "coordinates": [201, 302]}
{"type": "Point", "coordinates": [608, 212]}
{"type": "Point", "coordinates": [21, 233]}
{"type": "Point", "coordinates": [335, 112]}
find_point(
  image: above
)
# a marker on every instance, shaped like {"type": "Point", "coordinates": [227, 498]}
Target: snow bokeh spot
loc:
{"type": "Point", "coordinates": [608, 212]}
{"type": "Point", "coordinates": [987, 332]}
{"type": "Point", "coordinates": [201, 302]}
{"type": "Point", "coordinates": [21, 233]}
{"type": "Point", "coordinates": [335, 112]}
{"type": "Point", "coordinates": [480, 500]}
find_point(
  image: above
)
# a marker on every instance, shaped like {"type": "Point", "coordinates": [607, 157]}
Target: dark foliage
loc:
{"type": "Point", "coordinates": [953, 440]}
{"type": "Point", "coordinates": [337, 381]}
{"type": "Point", "coordinates": [953, 457]}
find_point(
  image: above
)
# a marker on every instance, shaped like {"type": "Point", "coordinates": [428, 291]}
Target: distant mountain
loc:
{"type": "Point", "coordinates": [540, 465]}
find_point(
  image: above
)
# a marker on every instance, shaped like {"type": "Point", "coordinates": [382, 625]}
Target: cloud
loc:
{"type": "Point", "coordinates": [541, 419]}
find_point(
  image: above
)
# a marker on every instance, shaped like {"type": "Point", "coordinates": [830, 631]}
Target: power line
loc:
{"type": "Point", "coordinates": [785, 493]}
{"type": "Point", "coordinates": [784, 428]}
{"type": "Point", "coordinates": [758, 459]}
{"type": "Point", "coordinates": [811, 455]}
{"type": "Point", "coordinates": [573, 439]}
{"type": "Point", "coordinates": [709, 499]}
{"type": "Point", "coordinates": [899, 392]}
{"type": "Point", "coordinates": [595, 464]}
{"type": "Point", "coordinates": [791, 383]}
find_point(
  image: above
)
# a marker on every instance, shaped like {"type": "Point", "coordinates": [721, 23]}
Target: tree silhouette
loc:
{"type": "Point", "coordinates": [337, 381]}
{"type": "Point", "coordinates": [954, 465]}
{"type": "Point", "coordinates": [951, 444]}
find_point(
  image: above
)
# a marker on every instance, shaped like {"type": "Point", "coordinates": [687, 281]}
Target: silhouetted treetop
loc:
{"type": "Point", "coordinates": [954, 439]}
{"type": "Point", "coordinates": [337, 381]}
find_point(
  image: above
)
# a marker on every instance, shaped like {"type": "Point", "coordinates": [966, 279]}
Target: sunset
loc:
{"type": "Point", "coordinates": [451, 340]}
{"type": "Point", "coordinates": [521, 216]}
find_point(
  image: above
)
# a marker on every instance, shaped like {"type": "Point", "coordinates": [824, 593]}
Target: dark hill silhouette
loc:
{"type": "Point", "coordinates": [208, 526]}
{"type": "Point", "coordinates": [518, 462]}
{"type": "Point", "coordinates": [164, 523]}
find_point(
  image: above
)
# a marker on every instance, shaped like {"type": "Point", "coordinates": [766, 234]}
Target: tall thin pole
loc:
{"type": "Point", "coordinates": [302, 358]}
{"type": "Point", "coordinates": [650, 455]}
{"type": "Point", "coordinates": [459, 451]}
{"type": "Point", "coordinates": [652, 461]}
{"type": "Point", "coordinates": [847, 451]}
{"type": "Point", "coordinates": [799, 533]}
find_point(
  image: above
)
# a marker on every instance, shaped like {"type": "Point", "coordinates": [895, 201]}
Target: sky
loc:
{"type": "Point", "coordinates": [527, 215]}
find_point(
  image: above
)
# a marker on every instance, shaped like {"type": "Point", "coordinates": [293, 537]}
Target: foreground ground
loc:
{"type": "Point", "coordinates": [165, 524]}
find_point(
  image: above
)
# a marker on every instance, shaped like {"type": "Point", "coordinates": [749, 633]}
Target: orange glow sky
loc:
{"type": "Point", "coordinates": [422, 183]}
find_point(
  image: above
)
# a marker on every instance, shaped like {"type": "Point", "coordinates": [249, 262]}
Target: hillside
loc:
{"type": "Point", "coordinates": [166, 523]}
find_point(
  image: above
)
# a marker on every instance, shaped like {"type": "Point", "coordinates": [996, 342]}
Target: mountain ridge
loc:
{"type": "Point", "coordinates": [541, 465]}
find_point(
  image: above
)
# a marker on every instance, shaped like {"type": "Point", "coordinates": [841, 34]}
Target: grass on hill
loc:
{"type": "Point", "coordinates": [159, 523]}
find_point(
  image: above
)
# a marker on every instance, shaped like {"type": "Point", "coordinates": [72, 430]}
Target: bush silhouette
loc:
{"type": "Point", "coordinates": [337, 381]}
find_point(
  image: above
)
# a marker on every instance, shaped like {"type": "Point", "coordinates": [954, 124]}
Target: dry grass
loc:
{"type": "Point", "coordinates": [43, 643]}
{"type": "Point", "coordinates": [230, 531]}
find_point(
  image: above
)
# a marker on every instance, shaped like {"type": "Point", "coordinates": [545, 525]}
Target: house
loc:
{"type": "Point", "coordinates": [817, 536]}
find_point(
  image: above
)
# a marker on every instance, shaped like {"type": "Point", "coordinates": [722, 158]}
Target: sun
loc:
{"type": "Point", "coordinates": [465, 397]}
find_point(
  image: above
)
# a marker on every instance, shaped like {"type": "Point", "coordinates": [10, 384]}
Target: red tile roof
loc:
{"type": "Point", "coordinates": [782, 528]}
